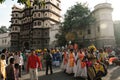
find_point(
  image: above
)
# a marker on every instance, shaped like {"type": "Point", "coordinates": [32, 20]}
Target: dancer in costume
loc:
{"type": "Point", "coordinates": [65, 60]}
{"type": "Point", "coordinates": [71, 62]}
{"type": "Point", "coordinates": [81, 70]}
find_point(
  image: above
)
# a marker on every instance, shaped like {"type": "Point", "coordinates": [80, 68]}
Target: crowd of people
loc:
{"type": "Point", "coordinates": [88, 63]}
{"type": "Point", "coordinates": [12, 64]}
{"type": "Point", "coordinates": [85, 64]}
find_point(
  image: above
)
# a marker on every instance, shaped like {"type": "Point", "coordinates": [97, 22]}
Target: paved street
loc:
{"type": "Point", "coordinates": [113, 74]}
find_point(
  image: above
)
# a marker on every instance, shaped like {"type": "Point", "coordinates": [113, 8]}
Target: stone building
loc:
{"type": "Point", "coordinates": [102, 31]}
{"type": "Point", "coordinates": [53, 31]}
{"type": "Point", "coordinates": [30, 27]}
{"type": "Point", "coordinates": [35, 27]}
{"type": "Point", "coordinates": [4, 41]}
{"type": "Point", "coordinates": [117, 32]}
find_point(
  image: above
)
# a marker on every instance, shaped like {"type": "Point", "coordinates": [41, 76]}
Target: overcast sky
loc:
{"type": "Point", "coordinates": [5, 8]}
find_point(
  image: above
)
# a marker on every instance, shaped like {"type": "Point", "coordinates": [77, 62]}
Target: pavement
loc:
{"type": "Point", "coordinates": [113, 74]}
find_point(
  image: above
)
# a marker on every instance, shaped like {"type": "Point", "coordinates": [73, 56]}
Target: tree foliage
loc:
{"type": "Point", "coordinates": [27, 2]}
{"type": "Point", "coordinates": [77, 17]}
{"type": "Point", "coordinates": [3, 29]}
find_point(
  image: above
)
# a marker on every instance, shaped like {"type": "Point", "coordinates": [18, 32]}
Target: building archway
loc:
{"type": "Point", "coordinates": [26, 45]}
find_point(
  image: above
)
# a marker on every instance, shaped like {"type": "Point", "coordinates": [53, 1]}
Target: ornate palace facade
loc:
{"type": "Point", "coordinates": [30, 27]}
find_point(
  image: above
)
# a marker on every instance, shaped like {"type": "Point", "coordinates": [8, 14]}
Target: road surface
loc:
{"type": "Point", "coordinates": [113, 74]}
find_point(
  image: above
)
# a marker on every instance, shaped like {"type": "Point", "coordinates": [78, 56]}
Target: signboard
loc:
{"type": "Point", "coordinates": [70, 36]}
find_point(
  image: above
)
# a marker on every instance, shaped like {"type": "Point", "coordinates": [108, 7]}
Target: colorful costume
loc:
{"type": "Point", "coordinates": [65, 60]}
{"type": "Point", "coordinates": [90, 68]}
{"type": "Point", "coordinates": [2, 67]}
{"type": "Point", "coordinates": [71, 63]}
{"type": "Point", "coordinates": [81, 69]}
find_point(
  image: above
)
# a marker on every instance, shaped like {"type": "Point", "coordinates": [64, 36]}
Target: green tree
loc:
{"type": "Point", "coordinates": [61, 41]}
{"type": "Point", "coordinates": [27, 2]}
{"type": "Point", "coordinates": [77, 17]}
{"type": "Point", "coordinates": [3, 29]}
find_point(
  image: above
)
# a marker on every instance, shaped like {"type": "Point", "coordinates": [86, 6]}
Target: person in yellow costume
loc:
{"type": "Point", "coordinates": [2, 67]}
{"type": "Point", "coordinates": [101, 55]}
{"type": "Point", "coordinates": [98, 67]}
{"type": "Point", "coordinates": [91, 60]}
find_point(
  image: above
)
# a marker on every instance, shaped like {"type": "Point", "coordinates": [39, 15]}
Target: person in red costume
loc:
{"type": "Point", "coordinates": [33, 64]}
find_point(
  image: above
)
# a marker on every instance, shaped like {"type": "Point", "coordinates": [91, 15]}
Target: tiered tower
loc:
{"type": "Point", "coordinates": [33, 25]}
{"type": "Point", "coordinates": [15, 27]}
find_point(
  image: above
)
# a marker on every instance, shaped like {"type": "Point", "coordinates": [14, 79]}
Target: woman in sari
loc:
{"type": "Point", "coordinates": [81, 70]}
{"type": "Point", "coordinates": [65, 60]}
{"type": "Point", "coordinates": [71, 62]}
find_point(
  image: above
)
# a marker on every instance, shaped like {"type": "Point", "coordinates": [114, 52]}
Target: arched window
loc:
{"type": "Point", "coordinates": [46, 7]}
{"type": "Point", "coordinates": [89, 31]}
{"type": "Point", "coordinates": [39, 6]}
{"type": "Point", "coordinates": [12, 29]}
{"type": "Point", "coordinates": [38, 42]}
{"type": "Point", "coordinates": [16, 28]}
{"type": "Point", "coordinates": [98, 28]}
{"type": "Point", "coordinates": [35, 7]}
{"type": "Point", "coordinates": [35, 24]}
{"type": "Point", "coordinates": [23, 14]}
{"type": "Point", "coordinates": [16, 15]}
{"type": "Point", "coordinates": [39, 23]}
{"type": "Point", "coordinates": [39, 14]}
{"type": "Point", "coordinates": [12, 15]}
{"type": "Point", "coordinates": [15, 21]}
{"type": "Point", "coordinates": [39, 32]}
{"type": "Point", "coordinates": [46, 41]}
{"type": "Point", "coordinates": [50, 14]}
{"type": "Point", "coordinates": [34, 15]}
{"type": "Point", "coordinates": [45, 14]}
{"type": "Point", "coordinates": [34, 42]}
{"type": "Point", "coordinates": [46, 33]}
{"type": "Point", "coordinates": [57, 4]}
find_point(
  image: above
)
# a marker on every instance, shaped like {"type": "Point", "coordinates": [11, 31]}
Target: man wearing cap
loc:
{"type": "Point", "coordinates": [32, 65]}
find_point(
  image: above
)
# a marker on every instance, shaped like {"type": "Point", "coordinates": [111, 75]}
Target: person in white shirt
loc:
{"type": "Point", "coordinates": [9, 57]}
{"type": "Point", "coordinates": [19, 60]}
